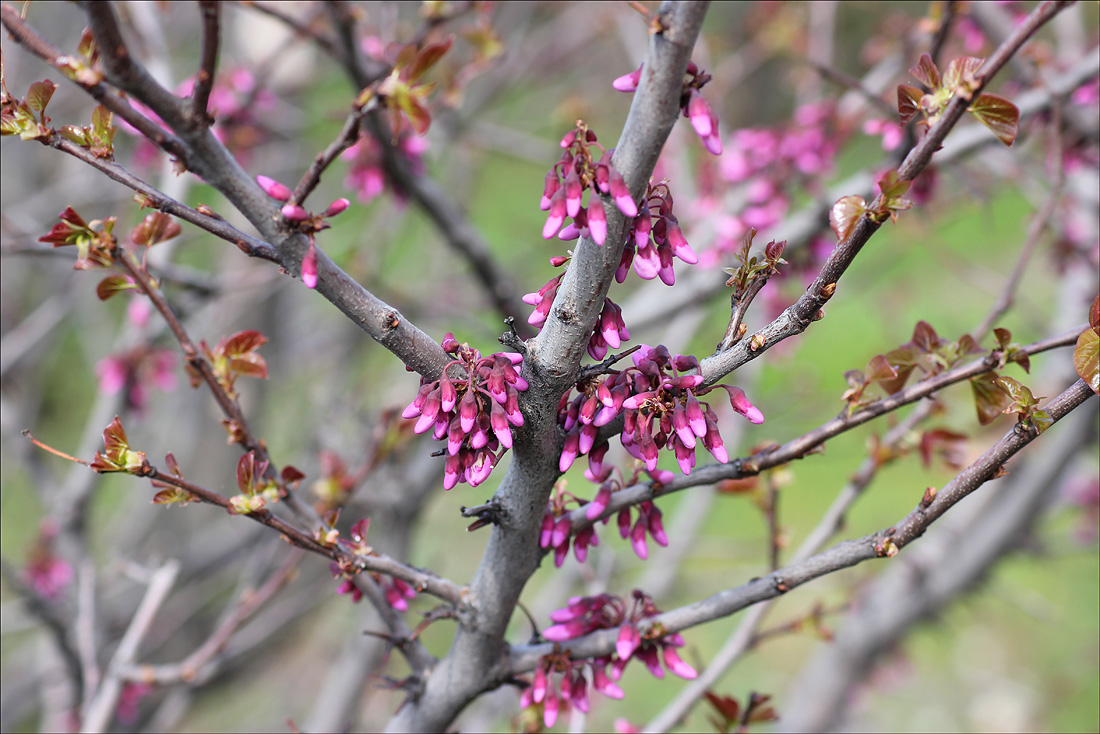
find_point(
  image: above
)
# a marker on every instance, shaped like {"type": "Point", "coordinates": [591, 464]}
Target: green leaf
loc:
{"type": "Point", "coordinates": [1042, 420]}
{"type": "Point", "coordinates": [39, 95]}
{"type": "Point", "coordinates": [1086, 358]}
{"type": "Point", "coordinates": [1022, 398]}
{"type": "Point", "coordinates": [845, 214]}
{"type": "Point", "coordinates": [989, 399]}
{"type": "Point", "coordinates": [999, 115]}
{"type": "Point", "coordinates": [926, 72]}
{"type": "Point", "coordinates": [891, 186]}
{"type": "Point", "coordinates": [74, 134]}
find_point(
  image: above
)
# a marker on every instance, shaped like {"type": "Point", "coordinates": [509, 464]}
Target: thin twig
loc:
{"type": "Point", "coordinates": [204, 80]}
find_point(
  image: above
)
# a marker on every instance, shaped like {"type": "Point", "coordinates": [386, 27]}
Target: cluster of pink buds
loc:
{"type": "Point", "coordinates": [366, 175]}
{"type": "Point", "coordinates": [654, 238]}
{"type": "Point", "coordinates": [398, 593]}
{"type": "Point", "coordinates": [585, 614]}
{"type": "Point", "coordinates": [692, 104]}
{"type": "Point", "coordinates": [610, 329]}
{"type": "Point", "coordinates": [557, 529]}
{"type": "Point", "coordinates": [660, 406]}
{"type": "Point", "coordinates": [472, 406]}
{"type": "Point", "coordinates": [556, 694]}
{"type": "Point", "coordinates": [305, 222]}
{"type": "Point", "coordinates": [566, 182]}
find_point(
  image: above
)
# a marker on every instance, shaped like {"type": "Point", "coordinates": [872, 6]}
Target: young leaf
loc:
{"type": "Point", "coordinates": [879, 369]}
{"type": "Point", "coordinates": [1094, 315]}
{"type": "Point", "coordinates": [845, 214]}
{"type": "Point", "coordinates": [112, 285]}
{"type": "Point", "coordinates": [39, 94]}
{"type": "Point", "coordinates": [959, 75]}
{"type": "Point", "coordinates": [1086, 358]}
{"type": "Point", "coordinates": [926, 72]}
{"type": "Point", "coordinates": [989, 399]}
{"type": "Point", "coordinates": [999, 115]}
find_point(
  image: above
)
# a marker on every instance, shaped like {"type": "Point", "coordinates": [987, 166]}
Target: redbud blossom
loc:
{"type": "Point", "coordinates": [273, 188]}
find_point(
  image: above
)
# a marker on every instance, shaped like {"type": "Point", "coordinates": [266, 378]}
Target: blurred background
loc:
{"type": "Point", "coordinates": [803, 92]}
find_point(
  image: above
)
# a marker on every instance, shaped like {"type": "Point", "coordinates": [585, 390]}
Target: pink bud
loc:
{"type": "Point", "coordinates": [597, 220]}
{"type": "Point", "coordinates": [742, 405]}
{"type": "Point", "coordinates": [557, 215]}
{"type": "Point", "coordinates": [637, 539]}
{"type": "Point", "coordinates": [628, 82]}
{"type": "Point", "coordinates": [546, 533]}
{"type": "Point", "coordinates": [336, 207]}
{"type": "Point", "coordinates": [273, 188]}
{"type": "Point", "coordinates": [294, 213]}
{"type": "Point", "coordinates": [675, 664]}
{"type": "Point", "coordinates": [621, 194]}
{"type": "Point", "coordinates": [309, 266]}
{"type": "Point", "coordinates": [699, 112]}
{"type": "Point", "coordinates": [573, 192]}
{"type": "Point", "coordinates": [628, 642]}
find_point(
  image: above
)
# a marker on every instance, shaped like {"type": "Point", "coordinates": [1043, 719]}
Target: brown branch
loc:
{"type": "Point", "coordinates": [344, 140]}
{"type": "Point", "coordinates": [204, 80]}
{"type": "Point", "coordinates": [883, 543]}
{"type": "Point", "coordinates": [249, 245]}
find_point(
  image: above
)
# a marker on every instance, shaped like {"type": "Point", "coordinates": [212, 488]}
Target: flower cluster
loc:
{"type": "Point", "coordinates": [567, 180]}
{"type": "Point", "coordinates": [366, 175]}
{"type": "Point", "coordinates": [45, 571]}
{"type": "Point", "coordinates": [660, 406]}
{"type": "Point", "coordinates": [472, 406]}
{"type": "Point", "coordinates": [557, 529]}
{"type": "Point", "coordinates": [305, 222]}
{"type": "Point", "coordinates": [654, 238]}
{"type": "Point", "coordinates": [692, 104]}
{"type": "Point", "coordinates": [398, 593]}
{"type": "Point", "coordinates": [610, 329]}
{"type": "Point", "coordinates": [137, 370]}
{"type": "Point", "coordinates": [585, 614]}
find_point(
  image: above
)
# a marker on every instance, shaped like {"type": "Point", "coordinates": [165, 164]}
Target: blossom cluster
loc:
{"type": "Point", "coordinates": [660, 406]}
{"type": "Point", "coordinates": [366, 175]}
{"type": "Point", "coordinates": [692, 104]}
{"type": "Point", "coordinates": [305, 222]}
{"type": "Point", "coordinates": [472, 406]}
{"type": "Point", "coordinates": [398, 593]}
{"type": "Point", "coordinates": [587, 614]}
{"type": "Point", "coordinates": [567, 180]}
{"type": "Point", "coordinates": [654, 238]}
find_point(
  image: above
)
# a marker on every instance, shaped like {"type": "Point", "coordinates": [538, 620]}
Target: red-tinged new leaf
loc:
{"type": "Point", "coordinates": [291, 474]}
{"type": "Point", "coordinates": [1004, 338]}
{"type": "Point", "coordinates": [102, 119]}
{"type": "Point", "coordinates": [1094, 315]}
{"type": "Point", "coordinates": [172, 496]}
{"type": "Point", "coordinates": [112, 285]}
{"type": "Point", "coordinates": [845, 214]}
{"type": "Point", "coordinates": [248, 472]}
{"type": "Point", "coordinates": [926, 72]}
{"type": "Point", "coordinates": [925, 337]}
{"type": "Point", "coordinates": [243, 342]}
{"type": "Point", "coordinates": [172, 464]}
{"type": "Point", "coordinates": [727, 707]}
{"type": "Point", "coordinates": [427, 58]}
{"type": "Point", "coordinates": [1022, 398]}
{"type": "Point", "coordinates": [39, 94]}
{"type": "Point", "coordinates": [890, 186]}
{"type": "Point", "coordinates": [999, 115]}
{"type": "Point", "coordinates": [157, 227]}
{"type": "Point", "coordinates": [74, 134]}
{"type": "Point", "coordinates": [418, 115]}
{"type": "Point", "coordinates": [1042, 420]}
{"type": "Point", "coordinates": [250, 365]}
{"type": "Point", "coordinates": [959, 75]}
{"type": "Point", "coordinates": [879, 369]}
{"type": "Point", "coordinates": [951, 447]}
{"type": "Point", "coordinates": [1086, 358]}
{"type": "Point", "coordinates": [989, 399]}
{"type": "Point", "coordinates": [114, 438]}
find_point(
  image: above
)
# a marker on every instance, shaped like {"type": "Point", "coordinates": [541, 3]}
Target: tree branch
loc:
{"type": "Point", "coordinates": [843, 555]}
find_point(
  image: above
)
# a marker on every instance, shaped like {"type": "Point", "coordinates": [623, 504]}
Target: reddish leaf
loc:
{"type": "Point", "coordinates": [243, 342]}
{"type": "Point", "coordinates": [926, 72]}
{"type": "Point", "coordinates": [249, 472]}
{"type": "Point", "coordinates": [959, 75]}
{"type": "Point", "coordinates": [427, 58]}
{"type": "Point", "coordinates": [1094, 315]}
{"type": "Point", "coordinates": [989, 399]}
{"type": "Point", "coordinates": [291, 474]}
{"type": "Point", "coordinates": [1021, 395]}
{"type": "Point", "coordinates": [845, 214]}
{"type": "Point", "coordinates": [999, 115]}
{"type": "Point", "coordinates": [251, 365]}
{"type": "Point", "coordinates": [879, 369]}
{"type": "Point", "coordinates": [891, 186]}
{"type": "Point", "coordinates": [39, 94]}
{"type": "Point", "coordinates": [951, 447]}
{"type": "Point", "coordinates": [418, 115]}
{"type": "Point", "coordinates": [1086, 358]}
{"type": "Point", "coordinates": [925, 337]}
{"type": "Point", "coordinates": [112, 285]}
{"type": "Point", "coordinates": [157, 227]}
